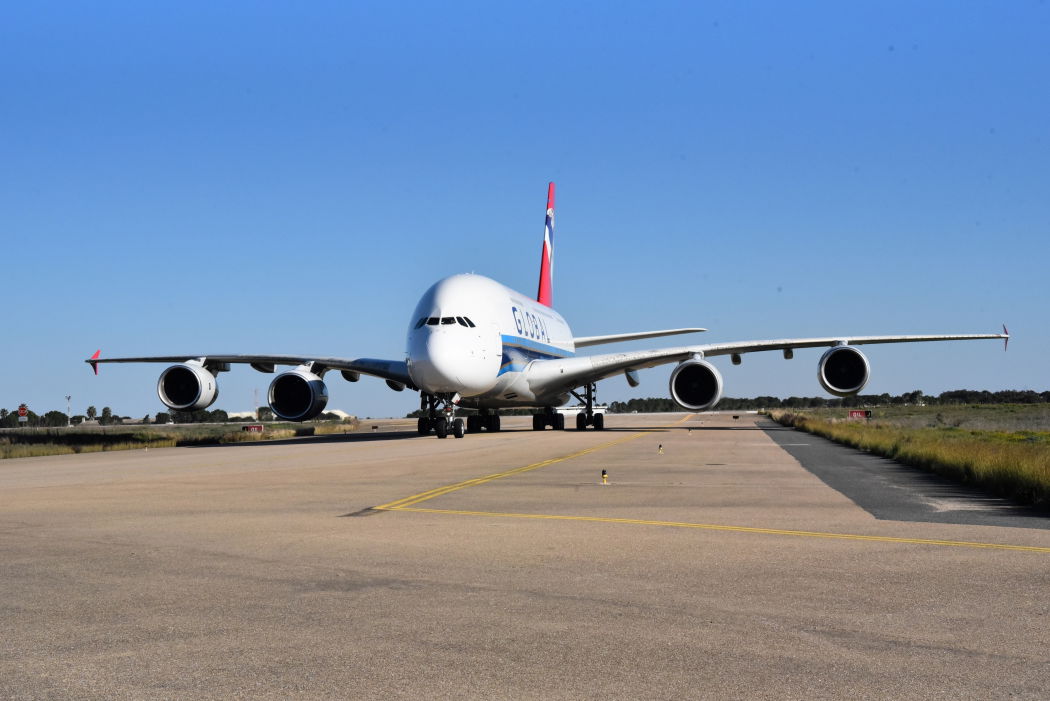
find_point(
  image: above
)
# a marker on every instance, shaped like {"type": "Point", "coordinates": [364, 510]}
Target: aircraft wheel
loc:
{"type": "Point", "coordinates": [599, 422]}
{"type": "Point", "coordinates": [581, 422]}
{"type": "Point", "coordinates": [423, 426]}
{"type": "Point", "coordinates": [538, 424]}
{"type": "Point", "coordinates": [473, 424]}
{"type": "Point", "coordinates": [559, 422]}
{"type": "Point", "coordinates": [441, 427]}
{"type": "Point", "coordinates": [457, 428]}
{"type": "Point", "coordinates": [493, 422]}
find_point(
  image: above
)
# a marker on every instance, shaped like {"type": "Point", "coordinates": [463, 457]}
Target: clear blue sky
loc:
{"type": "Point", "coordinates": [290, 177]}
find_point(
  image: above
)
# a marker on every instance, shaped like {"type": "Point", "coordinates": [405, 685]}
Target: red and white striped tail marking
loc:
{"type": "Point", "coordinates": [544, 295]}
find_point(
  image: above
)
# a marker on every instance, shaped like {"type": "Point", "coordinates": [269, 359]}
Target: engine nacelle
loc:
{"type": "Point", "coordinates": [297, 395]}
{"type": "Point", "coordinates": [187, 386]}
{"type": "Point", "coordinates": [843, 371]}
{"type": "Point", "coordinates": [696, 385]}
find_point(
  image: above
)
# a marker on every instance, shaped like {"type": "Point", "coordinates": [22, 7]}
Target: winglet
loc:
{"type": "Point", "coordinates": [544, 294]}
{"type": "Point", "coordinates": [94, 366]}
{"type": "Point", "coordinates": [1006, 337]}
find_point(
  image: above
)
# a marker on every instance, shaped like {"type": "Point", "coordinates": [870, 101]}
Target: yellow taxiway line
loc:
{"type": "Point", "coordinates": [439, 491]}
{"type": "Point", "coordinates": [737, 529]}
{"type": "Point", "coordinates": [409, 504]}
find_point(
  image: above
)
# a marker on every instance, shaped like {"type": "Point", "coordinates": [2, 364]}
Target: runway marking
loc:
{"type": "Point", "coordinates": [409, 504]}
{"type": "Point", "coordinates": [737, 529]}
{"type": "Point", "coordinates": [448, 489]}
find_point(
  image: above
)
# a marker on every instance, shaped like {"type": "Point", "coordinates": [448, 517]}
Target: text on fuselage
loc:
{"type": "Point", "coordinates": [530, 325]}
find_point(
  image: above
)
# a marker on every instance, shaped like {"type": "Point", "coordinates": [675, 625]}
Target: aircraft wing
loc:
{"type": "Point", "coordinates": [393, 371]}
{"type": "Point", "coordinates": [569, 373]}
{"type": "Point", "coordinates": [618, 337]}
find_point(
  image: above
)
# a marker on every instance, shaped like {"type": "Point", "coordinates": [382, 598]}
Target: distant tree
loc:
{"type": "Point", "coordinates": [191, 417]}
{"type": "Point", "coordinates": [162, 417]}
{"type": "Point", "coordinates": [264, 413]}
{"type": "Point", "coordinates": [219, 416]}
{"type": "Point", "coordinates": [92, 412]}
{"type": "Point", "coordinates": [145, 419]}
{"type": "Point", "coordinates": [107, 416]}
{"type": "Point", "coordinates": [54, 419]}
{"type": "Point", "coordinates": [3, 414]}
{"type": "Point", "coordinates": [77, 420]}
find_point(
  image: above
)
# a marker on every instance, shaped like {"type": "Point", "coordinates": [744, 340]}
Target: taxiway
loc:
{"type": "Point", "coordinates": [500, 566]}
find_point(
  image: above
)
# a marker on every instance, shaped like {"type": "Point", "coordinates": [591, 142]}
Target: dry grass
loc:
{"type": "Point", "coordinates": [1014, 464]}
{"type": "Point", "coordinates": [60, 441]}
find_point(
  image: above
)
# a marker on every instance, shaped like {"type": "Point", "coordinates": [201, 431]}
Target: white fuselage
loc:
{"type": "Point", "coordinates": [471, 336]}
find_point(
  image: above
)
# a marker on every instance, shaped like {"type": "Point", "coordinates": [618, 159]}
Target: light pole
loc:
{"type": "Point", "coordinates": [69, 411]}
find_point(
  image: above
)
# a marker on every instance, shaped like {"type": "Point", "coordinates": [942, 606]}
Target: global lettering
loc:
{"type": "Point", "coordinates": [529, 325]}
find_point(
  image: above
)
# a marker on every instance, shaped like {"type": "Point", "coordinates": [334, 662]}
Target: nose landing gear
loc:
{"type": "Point", "coordinates": [441, 421]}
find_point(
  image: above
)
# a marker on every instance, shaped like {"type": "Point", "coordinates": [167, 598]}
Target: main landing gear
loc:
{"type": "Point", "coordinates": [551, 418]}
{"type": "Point", "coordinates": [587, 416]}
{"type": "Point", "coordinates": [442, 421]}
{"type": "Point", "coordinates": [483, 420]}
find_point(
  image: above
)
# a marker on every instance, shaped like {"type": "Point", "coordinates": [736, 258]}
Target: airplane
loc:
{"type": "Point", "coordinates": [475, 343]}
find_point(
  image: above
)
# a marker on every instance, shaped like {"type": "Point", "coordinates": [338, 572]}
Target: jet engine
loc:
{"type": "Point", "coordinates": [187, 386]}
{"type": "Point", "coordinates": [297, 395]}
{"type": "Point", "coordinates": [843, 371]}
{"type": "Point", "coordinates": [696, 385]}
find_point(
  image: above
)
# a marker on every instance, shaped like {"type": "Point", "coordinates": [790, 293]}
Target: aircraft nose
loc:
{"type": "Point", "coordinates": [442, 361]}
{"type": "Point", "coordinates": [445, 364]}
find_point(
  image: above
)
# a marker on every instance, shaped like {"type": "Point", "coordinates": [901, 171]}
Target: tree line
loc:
{"type": "Point", "coordinates": [914, 398]}
{"type": "Point", "coordinates": [58, 419]}
{"type": "Point", "coordinates": [55, 419]}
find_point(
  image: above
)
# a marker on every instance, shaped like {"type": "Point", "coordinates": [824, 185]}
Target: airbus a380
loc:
{"type": "Point", "coordinates": [474, 343]}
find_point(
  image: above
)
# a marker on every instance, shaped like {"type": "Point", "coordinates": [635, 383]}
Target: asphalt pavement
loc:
{"type": "Point", "coordinates": [500, 566]}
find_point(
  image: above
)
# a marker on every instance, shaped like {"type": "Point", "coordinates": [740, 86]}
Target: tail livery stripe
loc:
{"type": "Point", "coordinates": [544, 295]}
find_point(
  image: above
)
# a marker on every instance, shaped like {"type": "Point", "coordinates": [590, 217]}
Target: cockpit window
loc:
{"type": "Point", "coordinates": [445, 321]}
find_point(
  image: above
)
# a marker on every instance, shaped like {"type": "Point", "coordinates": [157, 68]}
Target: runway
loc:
{"type": "Point", "coordinates": [500, 566]}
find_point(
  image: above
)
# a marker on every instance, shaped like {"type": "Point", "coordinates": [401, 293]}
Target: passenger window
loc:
{"type": "Point", "coordinates": [419, 324]}
{"type": "Point", "coordinates": [432, 321]}
{"type": "Point", "coordinates": [469, 322]}
{"type": "Point", "coordinates": [460, 321]}
{"type": "Point", "coordinates": [447, 320]}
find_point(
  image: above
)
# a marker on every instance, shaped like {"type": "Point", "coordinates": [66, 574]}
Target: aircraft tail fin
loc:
{"type": "Point", "coordinates": [544, 294]}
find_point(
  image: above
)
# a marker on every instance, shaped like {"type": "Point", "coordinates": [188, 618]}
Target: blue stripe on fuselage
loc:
{"type": "Point", "coordinates": [518, 352]}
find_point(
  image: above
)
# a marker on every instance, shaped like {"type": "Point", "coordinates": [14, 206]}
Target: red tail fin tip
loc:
{"type": "Point", "coordinates": [544, 295]}
{"type": "Point", "coordinates": [94, 366]}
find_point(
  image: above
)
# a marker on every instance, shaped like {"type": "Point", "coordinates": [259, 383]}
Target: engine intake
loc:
{"type": "Point", "coordinates": [843, 371]}
{"type": "Point", "coordinates": [297, 395]}
{"type": "Point", "coordinates": [696, 385]}
{"type": "Point", "coordinates": [187, 387]}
